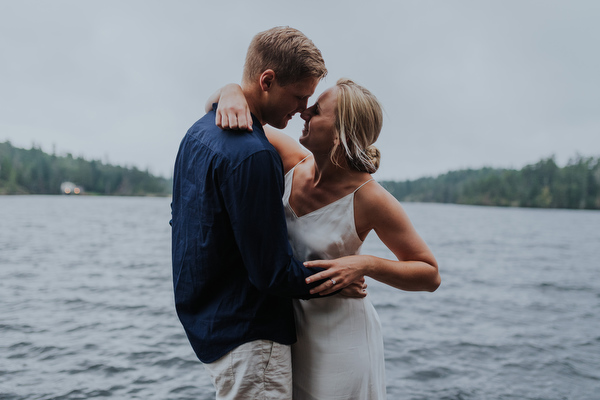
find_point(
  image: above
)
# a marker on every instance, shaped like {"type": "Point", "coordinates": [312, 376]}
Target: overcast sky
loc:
{"type": "Point", "coordinates": [464, 84]}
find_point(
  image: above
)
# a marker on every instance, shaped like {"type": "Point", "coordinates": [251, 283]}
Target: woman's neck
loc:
{"type": "Point", "coordinates": [327, 173]}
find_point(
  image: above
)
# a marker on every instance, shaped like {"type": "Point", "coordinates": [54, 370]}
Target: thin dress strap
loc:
{"type": "Point", "coordinates": [300, 162]}
{"type": "Point", "coordinates": [356, 190]}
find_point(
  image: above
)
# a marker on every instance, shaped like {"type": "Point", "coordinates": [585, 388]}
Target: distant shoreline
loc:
{"type": "Point", "coordinates": [540, 185]}
{"type": "Point", "coordinates": [87, 195]}
{"type": "Point", "coordinates": [33, 171]}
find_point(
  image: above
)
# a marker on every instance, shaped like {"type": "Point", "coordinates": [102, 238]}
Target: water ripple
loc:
{"type": "Point", "coordinates": [86, 305]}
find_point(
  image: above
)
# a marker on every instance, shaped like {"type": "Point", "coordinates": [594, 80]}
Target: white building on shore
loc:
{"type": "Point", "coordinates": [70, 188]}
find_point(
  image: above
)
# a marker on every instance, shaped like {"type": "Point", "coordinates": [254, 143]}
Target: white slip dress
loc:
{"type": "Point", "coordinates": [339, 352]}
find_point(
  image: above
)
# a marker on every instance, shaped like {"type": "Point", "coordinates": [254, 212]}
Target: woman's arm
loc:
{"type": "Point", "coordinates": [415, 268]}
{"type": "Point", "coordinates": [214, 98]}
{"type": "Point", "coordinates": [291, 151]}
{"type": "Point", "coordinates": [233, 113]}
{"type": "Point", "coordinates": [232, 110]}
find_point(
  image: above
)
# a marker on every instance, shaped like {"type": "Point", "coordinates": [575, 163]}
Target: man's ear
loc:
{"type": "Point", "coordinates": [267, 80]}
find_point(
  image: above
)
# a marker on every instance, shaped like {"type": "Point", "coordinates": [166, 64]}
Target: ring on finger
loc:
{"type": "Point", "coordinates": [332, 282]}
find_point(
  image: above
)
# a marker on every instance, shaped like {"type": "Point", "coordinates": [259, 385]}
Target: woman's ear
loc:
{"type": "Point", "coordinates": [267, 79]}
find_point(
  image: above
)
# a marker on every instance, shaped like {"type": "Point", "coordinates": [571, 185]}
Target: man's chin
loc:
{"type": "Point", "coordinates": [280, 124]}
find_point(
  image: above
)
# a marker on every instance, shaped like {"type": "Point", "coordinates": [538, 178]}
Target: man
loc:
{"type": "Point", "coordinates": [233, 269]}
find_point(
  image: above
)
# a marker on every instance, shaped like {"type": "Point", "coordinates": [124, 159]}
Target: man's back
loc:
{"type": "Point", "coordinates": [233, 269]}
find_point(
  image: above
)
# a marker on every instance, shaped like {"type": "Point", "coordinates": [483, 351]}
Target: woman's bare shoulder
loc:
{"type": "Point", "coordinates": [290, 151]}
{"type": "Point", "coordinates": [375, 206]}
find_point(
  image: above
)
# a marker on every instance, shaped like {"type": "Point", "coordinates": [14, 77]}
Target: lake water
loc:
{"type": "Point", "coordinates": [86, 304]}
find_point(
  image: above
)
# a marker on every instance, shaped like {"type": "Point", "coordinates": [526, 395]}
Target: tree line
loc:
{"type": "Point", "coordinates": [542, 185]}
{"type": "Point", "coordinates": [33, 171]}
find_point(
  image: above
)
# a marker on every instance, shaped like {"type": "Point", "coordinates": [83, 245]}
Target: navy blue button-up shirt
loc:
{"type": "Point", "coordinates": [233, 270]}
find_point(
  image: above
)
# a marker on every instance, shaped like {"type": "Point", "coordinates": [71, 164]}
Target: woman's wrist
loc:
{"type": "Point", "coordinates": [367, 265]}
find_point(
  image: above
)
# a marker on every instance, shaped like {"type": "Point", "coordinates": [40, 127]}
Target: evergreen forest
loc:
{"type": "Point", "coordinates": [541, 185]}
{"type": "Point", "coordinates": [36, 172]}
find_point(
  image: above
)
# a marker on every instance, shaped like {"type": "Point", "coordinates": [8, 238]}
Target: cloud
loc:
{"type": "Point", "coordinates": [463, 83]}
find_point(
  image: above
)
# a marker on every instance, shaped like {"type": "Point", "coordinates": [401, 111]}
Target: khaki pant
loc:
{"type": "Point", "coordinates": [258, 370]}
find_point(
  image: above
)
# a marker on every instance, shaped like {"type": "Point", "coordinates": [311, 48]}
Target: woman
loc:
{"type": "Point", "coordinates": [331, 204]}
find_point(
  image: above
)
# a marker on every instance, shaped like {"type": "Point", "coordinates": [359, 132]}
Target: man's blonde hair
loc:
{"type": "Point", "coordinates": [358, 122]}
{"type": "Point", "coordinates": [288, 52]}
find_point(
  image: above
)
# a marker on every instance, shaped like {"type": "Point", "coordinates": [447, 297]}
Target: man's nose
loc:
{"type": "Point", "coordinates": [302, 105]}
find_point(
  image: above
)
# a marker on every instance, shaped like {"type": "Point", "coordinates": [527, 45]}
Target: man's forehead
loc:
{"type": "Point", "coordinates": [306, 87]}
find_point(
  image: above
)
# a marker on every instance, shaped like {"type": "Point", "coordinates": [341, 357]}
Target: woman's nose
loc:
{"type": "Point", "coordinates": [305, 115]}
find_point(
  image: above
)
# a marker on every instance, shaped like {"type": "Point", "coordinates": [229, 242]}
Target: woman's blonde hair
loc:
{"type": "Point", "coordinates": [358, 121]}
{"type": "Point", "coordinates": [288, 52]}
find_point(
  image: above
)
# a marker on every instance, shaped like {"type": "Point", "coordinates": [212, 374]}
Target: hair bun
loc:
{"type": "Point", "coordinates": [374, 156]}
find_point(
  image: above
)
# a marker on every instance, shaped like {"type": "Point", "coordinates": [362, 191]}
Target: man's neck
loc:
{"type": "Point", "coordinates": [254, 101]}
